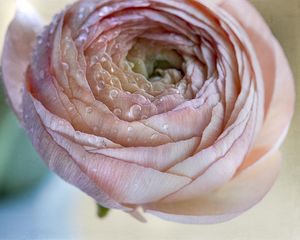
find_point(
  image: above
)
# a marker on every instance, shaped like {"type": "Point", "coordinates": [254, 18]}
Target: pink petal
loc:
{"type": "Point", "coordinates": [160, 158]}
{"type": "Point", "coordinates": [278, 79]}
{"type": "Point", "coordinates": [229, 201]}
{"type": "Point", "coordinates": [17, 51]}
{"type": "Point", "coordinates": [124, 182]}
{"type": "Point", "coordinates": [59, 160]}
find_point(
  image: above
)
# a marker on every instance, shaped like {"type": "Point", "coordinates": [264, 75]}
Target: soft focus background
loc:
{"type": "Point", "coordinates": [35, 204]}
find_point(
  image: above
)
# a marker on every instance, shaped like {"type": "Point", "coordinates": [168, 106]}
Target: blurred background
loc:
{"type": "Point", "coordinates": [35, 204]}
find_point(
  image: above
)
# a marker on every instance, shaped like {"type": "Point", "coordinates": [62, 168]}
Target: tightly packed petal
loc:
{"type": "Point", "coordinates": [177, 107]}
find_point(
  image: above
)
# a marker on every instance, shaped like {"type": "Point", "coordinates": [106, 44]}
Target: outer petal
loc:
{"type": "Point", "coordinates": [278, 79]}
{"type": "Point", "coordinates": [229, 201]}
{"type": "Point", "coordinates": [58, 158]}
{"type": "Point", "coordinates": [18, 45]}
{"type": "Point", "coordinates": [124, 182]}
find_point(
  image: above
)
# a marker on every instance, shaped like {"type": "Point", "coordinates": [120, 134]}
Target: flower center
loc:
{"type": "Point", "coordinates": [156, 63]}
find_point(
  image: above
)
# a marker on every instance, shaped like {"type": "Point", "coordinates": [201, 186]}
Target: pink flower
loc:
{"type": "Point", "coordinates": [177, 107]}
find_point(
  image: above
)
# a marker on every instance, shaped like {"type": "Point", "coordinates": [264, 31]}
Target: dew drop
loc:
{"type": "Point", "coordinates": [40, 41]}
{"type": "Point", "coordinates": [135, 110]}
{"type": "Point", "coordinates": [113, 94]}
{"type": "Point", "coordinates": [118, 112]}
{"type": "Point", "coordinates": [89, 110]}
{"type": "Point", "coordinates": [130, 129]}
{"type": "Point", "coordinates": [165, 126]}
{"type": "Point", "coordinates": [104, 144]}
{"type": "Point", "coordinates": [100, 86]}
{"type": "Point", "coordinates": [80, 16]}
{"type": "Point", "coordinates": [103, 59]}
{"type": "Point", "coordinates": [65, 66]}
{"type": "Point", "coordinates": [71, 109]}
{"type": "Point", "coordinates": [82, 38]}
{"type": "Point", "coordinates": [114, 81]}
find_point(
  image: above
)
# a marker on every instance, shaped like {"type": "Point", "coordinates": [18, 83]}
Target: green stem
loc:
{"type": "Point", "coordinates": [102, 211]}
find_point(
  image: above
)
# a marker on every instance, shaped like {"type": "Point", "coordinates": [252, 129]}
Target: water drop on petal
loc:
{"type": "Point", "coordinates": [118, 112]}
{"type": "Point", "coordinates": [89, 110]}
{"type": "Point", "coordinates": [113, 94]}
{"type": "Point", "coordinates": [135, 110]}
{"type": "Point", "coordinates": [65, 66]}
{"type": "Point", "coordinates": [100, 86]}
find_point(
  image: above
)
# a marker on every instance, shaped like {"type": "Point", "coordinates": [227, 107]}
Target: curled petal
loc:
{"type": "Point", "coordinates": [17, 52]}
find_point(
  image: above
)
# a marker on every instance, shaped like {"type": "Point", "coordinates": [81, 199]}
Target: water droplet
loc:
{"type": "Point", "coordinates": [104, 144]}
{"type": "Point", "coordinates": [103, 59]}
{"type": "Point", "coordinates": [113, 94]}
{"type": "Point", "coordinates": [130, 129]}
{"type": "Point", "coordinates": [82, 38]}
{"type": "Point", "coordinates": [100, 86]}
{"type": "Point", "coordinates": [135, 110]}
{"type": "Point", "coordinates": [118, 112]}
{"type": "Point", "coordinates": [40, 41]}
{"type": "Point", "coordinates": [112, 70]}
{"type": "Point", "coordinates": [80, 16]}
{"type": "Point", "coordinates": [71, 109]}
{"type": "Point", "coordinates": [65, 66]}
{"type": "Point", "coordinates": [89, 110]}
{"type": "Point", "coordinates": [114, 81]}
{"type": "Point", "coordinates": [165, 126]}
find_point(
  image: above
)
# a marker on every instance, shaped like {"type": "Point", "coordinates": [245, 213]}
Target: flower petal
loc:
{"type": "Point", "coordinates": [278, 79]}
{"type": "Point", "coordinates": [229, 201]}
{"type": "Point", "coordinates": [18, 46]}
{"type": "Point", "coordinates": [59, 160]}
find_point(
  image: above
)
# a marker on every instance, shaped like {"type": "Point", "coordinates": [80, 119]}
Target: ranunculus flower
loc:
{"type": "Point", "coordinates": [177, 107]}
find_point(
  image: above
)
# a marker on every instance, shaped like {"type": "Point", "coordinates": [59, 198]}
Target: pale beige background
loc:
{"type": "Point", "coordinates": [277, 217]}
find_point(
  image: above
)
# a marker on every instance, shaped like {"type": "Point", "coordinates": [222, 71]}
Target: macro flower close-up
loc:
{"type": "Point", "coordinates": [175, 109]}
